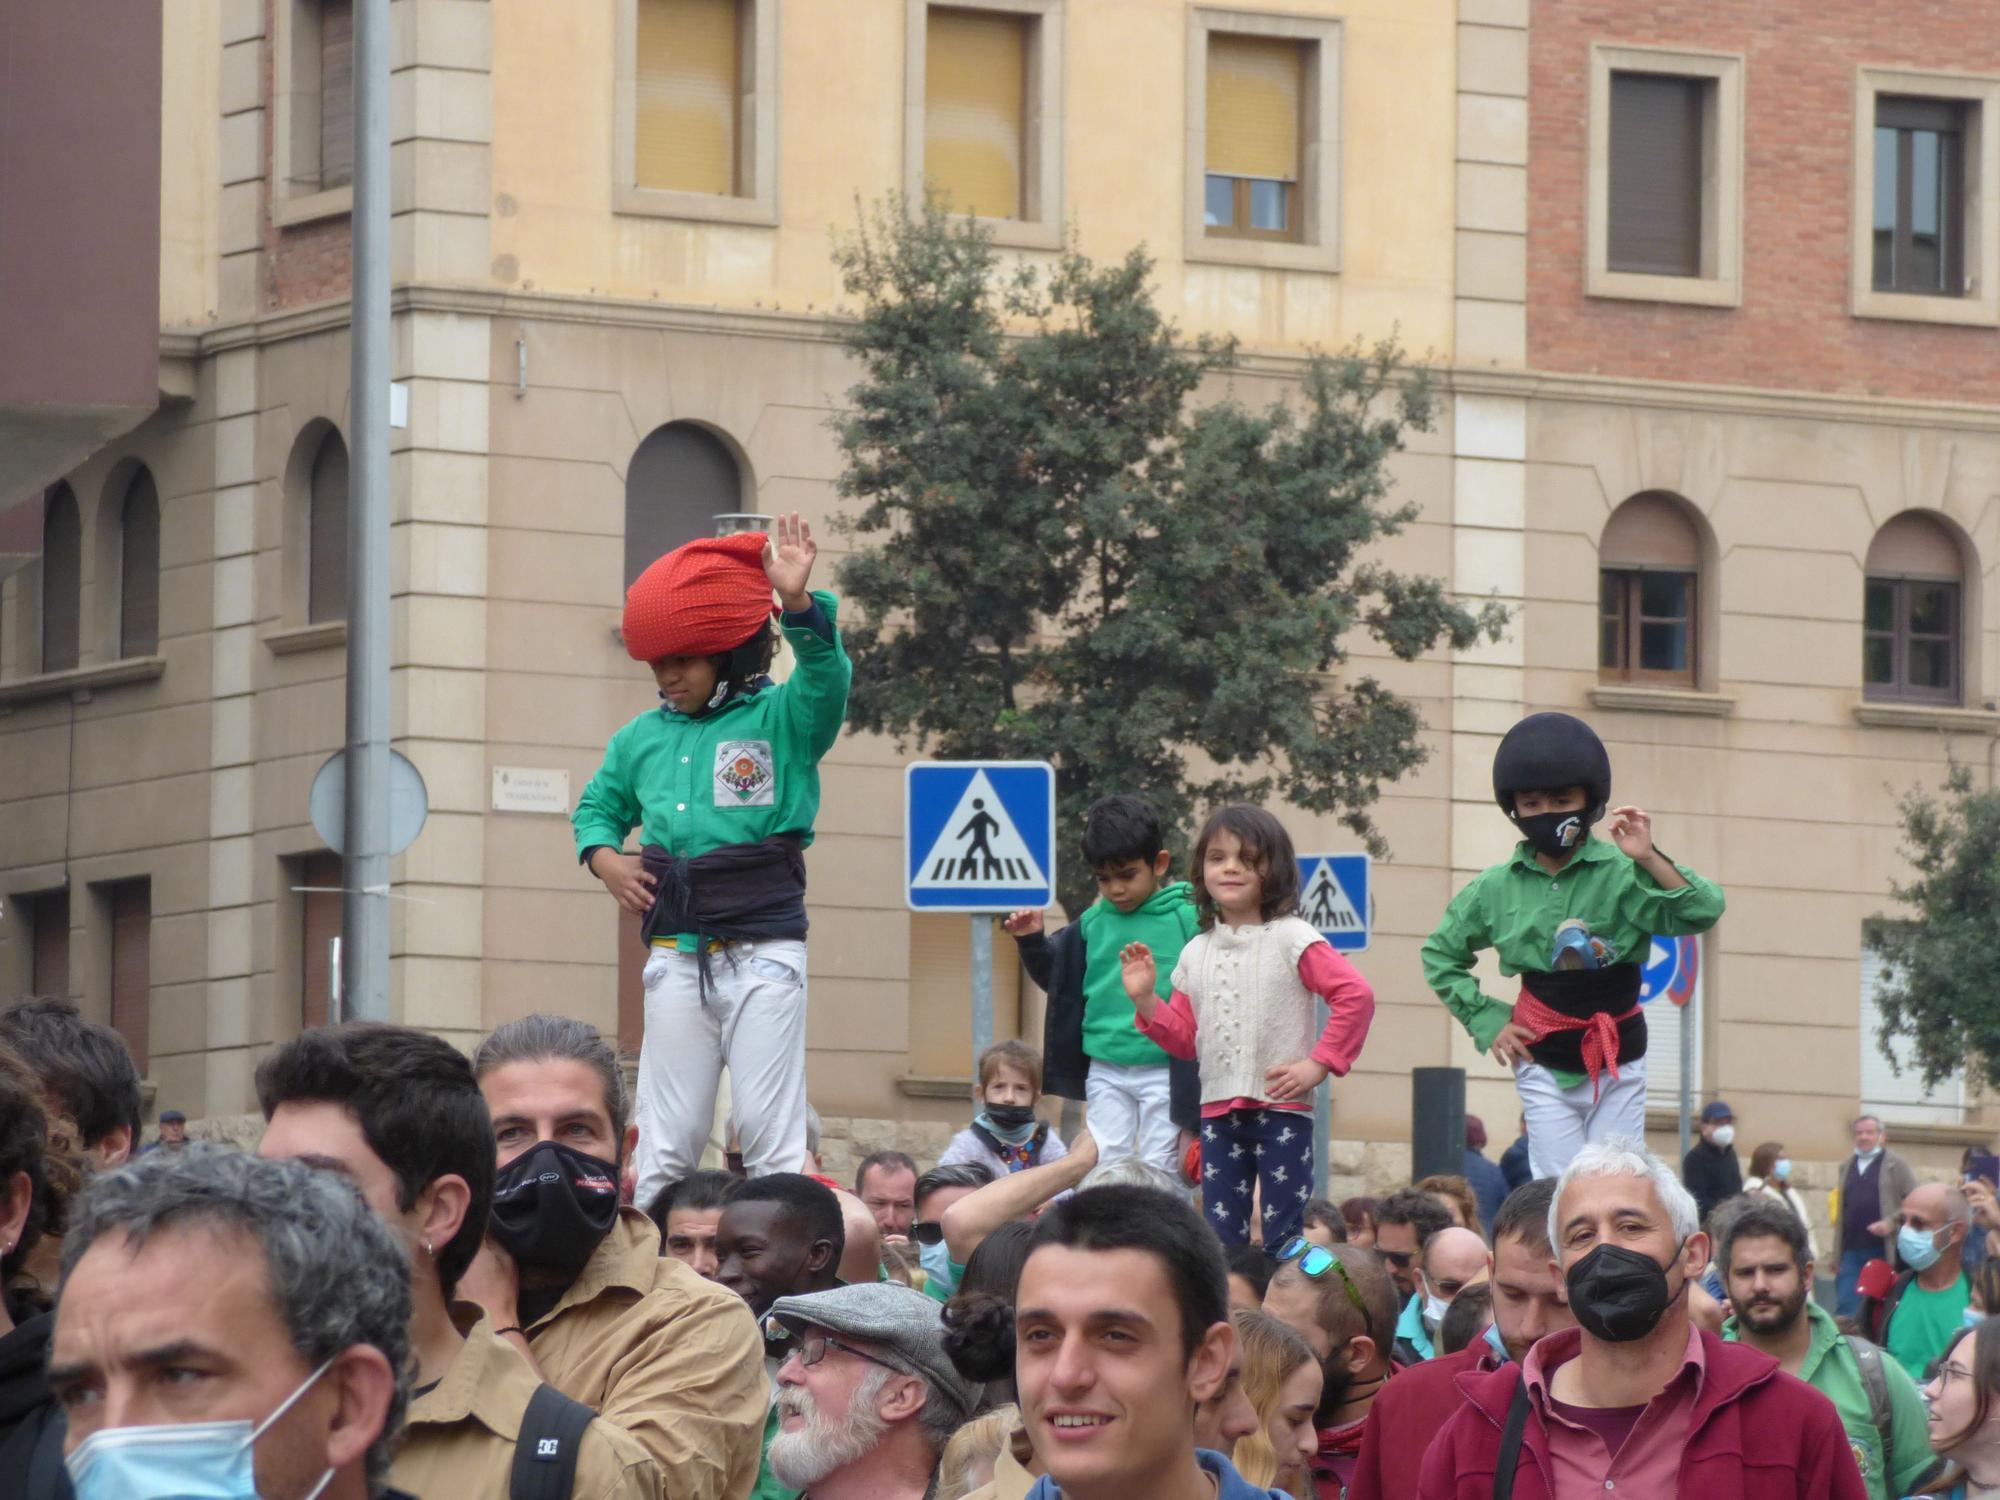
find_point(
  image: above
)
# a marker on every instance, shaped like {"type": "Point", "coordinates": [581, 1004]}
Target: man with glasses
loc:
{"type": "Point", "coordinates": [1527, 1303]}
{"type": "Point", "coordinates": [867, 1397]}
{"type": "Point", "coordinates": [936, 1191]}
{"type": "Point", "coordinates": [1340, 1301]}
{"type": "Point", "coordinates": [1403, 1221]}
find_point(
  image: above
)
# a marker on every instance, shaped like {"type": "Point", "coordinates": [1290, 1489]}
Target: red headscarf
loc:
{"type": "Point", "coordinates": [701, 599]}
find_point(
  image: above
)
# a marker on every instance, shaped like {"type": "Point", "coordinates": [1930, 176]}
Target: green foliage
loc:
{"type": "Point", "coordinates": [1942, 958]}
{"type": "Point", "coordinates": [1070, 559]}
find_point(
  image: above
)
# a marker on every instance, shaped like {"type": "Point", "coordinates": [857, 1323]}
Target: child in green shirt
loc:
{"type": "Point", "coordinates": [1140, 1099]}
{"type": "Point", "coordinates": [1574, 916]}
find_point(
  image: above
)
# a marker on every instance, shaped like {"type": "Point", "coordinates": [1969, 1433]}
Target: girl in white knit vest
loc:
{"type": "Point", "coordinates": [1244, 1004]}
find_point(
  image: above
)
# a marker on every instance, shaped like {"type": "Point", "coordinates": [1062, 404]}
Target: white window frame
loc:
{"type": "Point", "coordinates": [1040, 226]}
{"type": "Point", "coordinates": [1898, 1098]}
{"type": "Point", "coordinates": [757, 130]}
{"type": "Point", "coordinates": [1980, 306]}
{"type": "Point", "coordinates": [295, 118]}
{"type": "Point", "coordinates": [1721, 281]}
{"type": "Point", "coordinates": [1318, 245]}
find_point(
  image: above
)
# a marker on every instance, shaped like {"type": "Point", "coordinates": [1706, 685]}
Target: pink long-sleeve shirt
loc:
{"type": "Point", "coordinates": [1350, 1010]}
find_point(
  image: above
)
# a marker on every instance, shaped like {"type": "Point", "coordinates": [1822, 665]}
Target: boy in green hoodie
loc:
{"type": "Point", "coordinates": [1140, 1099]}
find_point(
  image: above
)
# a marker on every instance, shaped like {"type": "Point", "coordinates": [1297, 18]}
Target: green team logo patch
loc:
{"type": "Point", "coordinates": [744, 774]}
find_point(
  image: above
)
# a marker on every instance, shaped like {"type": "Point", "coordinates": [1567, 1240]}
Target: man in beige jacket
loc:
{"type": "Point", "coordinates": [398, 1113]}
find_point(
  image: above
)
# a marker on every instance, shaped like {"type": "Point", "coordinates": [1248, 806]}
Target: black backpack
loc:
{"type": "Point", "coordinates": [546, 1451]}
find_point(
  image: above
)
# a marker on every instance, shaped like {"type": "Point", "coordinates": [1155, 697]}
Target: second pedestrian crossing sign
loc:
{"type": "Point", "coordinates": [1334, 897]}
{"type": "Point", "coordinates": [979, 836]}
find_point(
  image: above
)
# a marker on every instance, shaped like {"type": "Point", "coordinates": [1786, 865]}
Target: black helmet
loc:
{"type": "Point", "coordinates": [1546, 752]}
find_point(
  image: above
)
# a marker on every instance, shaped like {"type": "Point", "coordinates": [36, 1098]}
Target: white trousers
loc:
{"type": "Point", "coordinates": [754, 1023]}
{"type": "Point", "coordinates": [1561, 1121]}
{"type": "Point", "coordinates": [1128, 1114]}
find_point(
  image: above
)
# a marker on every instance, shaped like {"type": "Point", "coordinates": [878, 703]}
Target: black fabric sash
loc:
{"type": "Point", "coordinates": [1583, 993]}
{"type": "Point", "coordinates": [740, 892]}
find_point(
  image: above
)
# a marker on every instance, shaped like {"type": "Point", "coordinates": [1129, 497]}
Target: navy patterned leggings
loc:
{"type": "Point", "coordinates": [1271, 1148]}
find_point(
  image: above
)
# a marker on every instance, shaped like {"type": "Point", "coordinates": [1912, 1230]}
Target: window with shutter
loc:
{"type": "Point", "coordinates": [62, 581]}
{"type": "Point", "coordinates": [1919, 198]}
{"type": "Point", "coordinates": [1649, 560]}
{"type": "Point", "coordinates": [1891, 1086]}
{"type": "Point", "coordinates": [1912, 614]}
{"type": "Point", "coordinates": [319, 924]}
{"type": "Point", "coordinates": [139, 568]}
{"type": "Point", "coordinates": [132, 965]}
{"type": "Point", "coordinates": [326, 533]}
{"type": "Point", "coordinates": [689, 95]}
{"type": "Point", "coordinates": [48, 912]}
{"type": "Point", "coordinates": [681, 478]}
{"type": "Point", "coordinates": [1254, 126]}
{"type": "Point", "coordinates": [975, 108]}
{"type": "Point", "coordinates": [336, 93]}
{"type": "Point", "coordinates": [1655, 189]}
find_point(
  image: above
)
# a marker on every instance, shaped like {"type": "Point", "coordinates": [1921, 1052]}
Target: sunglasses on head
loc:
{"type": "Point", "coordinates": [927, 1232]}
{"type": "Point", "coordinates": [1316, 1260]}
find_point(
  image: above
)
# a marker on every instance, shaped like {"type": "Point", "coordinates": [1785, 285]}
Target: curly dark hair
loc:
{"type": "Point", "coordinates": [53, 1179]}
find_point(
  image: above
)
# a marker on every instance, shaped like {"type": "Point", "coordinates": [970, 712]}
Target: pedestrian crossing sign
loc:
{"type": "Point", "coordinates": [1334, 897]}
{"type": "Point", "coordinates": [979, 836]}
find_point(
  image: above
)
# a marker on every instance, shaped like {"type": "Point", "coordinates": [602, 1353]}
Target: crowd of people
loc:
{"type": "Point", "coordinates": [509, 1274]}
{"type": "Point", "coordinates": [429, 1279]}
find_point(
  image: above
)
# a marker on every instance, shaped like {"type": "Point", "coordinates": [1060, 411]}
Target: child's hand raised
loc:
{"type": "Point", "coordinates": [1294, 1080]}
{"type": "Point", "coordinates": [1022, 924]}
{"type": "Point", "coordinates": [1632, 831]}
{"type": "Point", "coordinates": [788, 561]}
{"type": "Point", "coordinates": [1140, 973]}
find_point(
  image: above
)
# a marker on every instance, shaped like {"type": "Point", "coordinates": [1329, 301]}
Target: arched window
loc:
{"type": "Point", "coordinates": [139, 568]}
{"type": "Point", "coordinates": [681, 478]}
{"type": "Point", "coordinates": [1913, 614]}
{"type": "Point", "coordinates": [62, 581]}
{"type": "Point", "coordinates": [1649, 564]}
{"type": "Point", "coordinates": [326, 533]}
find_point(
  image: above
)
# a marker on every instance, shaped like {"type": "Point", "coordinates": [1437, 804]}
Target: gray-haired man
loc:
{"type": "Point", "coordinates": [867, 1397]}
{"type": "Point", "coordinates": [261, 1299]}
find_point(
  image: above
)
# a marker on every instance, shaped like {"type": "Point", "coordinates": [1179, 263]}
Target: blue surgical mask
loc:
{"type": "Point", "coordinates": [188, 1461]}
{"type": "Point", "coordinates": [1782, 1169]}
{"type": "Point", "coordinates": [936, 1261]}
{"type": "Point", "coordinates": [1497, 1344]}
{"type": "Point", "coordinates": [1917, 1248]}
{"type": "Point", "coordinates": [1865, 1157]}
{"type": "Point", "coordinates": [1972, 1317]}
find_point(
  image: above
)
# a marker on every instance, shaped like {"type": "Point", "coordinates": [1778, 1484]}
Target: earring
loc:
{"type": "Point", "coordinates": [427, 1248]}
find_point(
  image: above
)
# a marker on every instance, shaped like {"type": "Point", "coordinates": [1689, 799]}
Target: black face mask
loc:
{"type": "Point", "coordinates": [1554, 832]}
{"type": "Point", "coordinates": [1619, 1295]}
{"type": "Point", "coordinates": [1011, 1116]}
{"type": "Point", "coordinates": [553, 1206]}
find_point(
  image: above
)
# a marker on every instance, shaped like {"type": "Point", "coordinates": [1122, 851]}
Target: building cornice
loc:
{"type": "Point", "coordinates": [829, 328]}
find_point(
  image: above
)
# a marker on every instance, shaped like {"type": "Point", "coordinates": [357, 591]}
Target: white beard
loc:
{"type": "Point", "coordinates": [804, 1458]}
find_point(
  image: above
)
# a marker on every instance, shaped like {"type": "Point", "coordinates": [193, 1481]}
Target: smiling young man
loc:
{"type": "Point", "coordinates": [1636, 1400]}
{"type": "Point", "coordinates": [1121, 1328]}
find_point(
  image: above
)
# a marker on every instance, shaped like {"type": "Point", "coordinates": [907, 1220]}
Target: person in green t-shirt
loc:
{"type": "Point", "coordinates": [1575, 917]}
{"type": "Point", "coordinates": [1928, 1306]}
{"type": "Point", "coordinates": [1140, 1099]}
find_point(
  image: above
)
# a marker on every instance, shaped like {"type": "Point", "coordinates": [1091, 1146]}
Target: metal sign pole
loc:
{"type": "Point", "coordinates": [364, 903]}
{"type": "Point", "coordinates": [1689, 1020]}
{"type": "Point", "coordinates": [982, 990]}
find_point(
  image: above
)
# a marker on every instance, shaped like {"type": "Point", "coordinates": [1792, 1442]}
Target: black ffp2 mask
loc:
{"type": "Point", "coordinates": [1619, 1295]}
{"type": "Point", "coordinates": [1011, 1116]}
{"type": "Point", "coordinates": [1554, 833]}
{"type": "Point", "coordinates": [553, 1206]}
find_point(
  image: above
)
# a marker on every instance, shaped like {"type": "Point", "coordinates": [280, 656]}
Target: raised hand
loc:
{"type": "Point", "coordinates": [1140, 973]}
{"type": "Point", "coordinates": [789, 551]}
{"type": "Point", "coordinates": [1024, 923]}
{"type": "Point", "coordinates": [1632, 831]}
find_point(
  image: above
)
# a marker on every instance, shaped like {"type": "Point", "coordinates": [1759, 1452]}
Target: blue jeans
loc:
{"type": "Point", "coordinates": [1847, 1293]}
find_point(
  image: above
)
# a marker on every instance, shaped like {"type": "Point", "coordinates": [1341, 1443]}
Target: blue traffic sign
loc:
{"type": "Point", "coordinates": [1334, 897]}
{"type": "Point", "coordinates": [979, 836]}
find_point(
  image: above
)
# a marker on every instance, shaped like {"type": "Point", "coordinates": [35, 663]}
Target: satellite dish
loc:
{"type": "Point", "coordinates": [409, 802]}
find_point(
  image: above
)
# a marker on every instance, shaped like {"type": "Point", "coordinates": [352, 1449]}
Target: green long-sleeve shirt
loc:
{"type": "Point", "coordinates": [746, 771]}
{"type": "Point", "coordinates": [1515, 908]}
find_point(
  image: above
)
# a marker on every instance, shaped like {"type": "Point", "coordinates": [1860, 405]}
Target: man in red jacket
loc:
{"type": "Point", "coordinates": [1636, 1401]}
{"type": "Point", "coordinates": [1413, 1408]}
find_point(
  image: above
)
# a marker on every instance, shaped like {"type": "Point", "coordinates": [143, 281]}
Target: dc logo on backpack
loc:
{"type": "Point", "coordinates": [549, 1448]}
